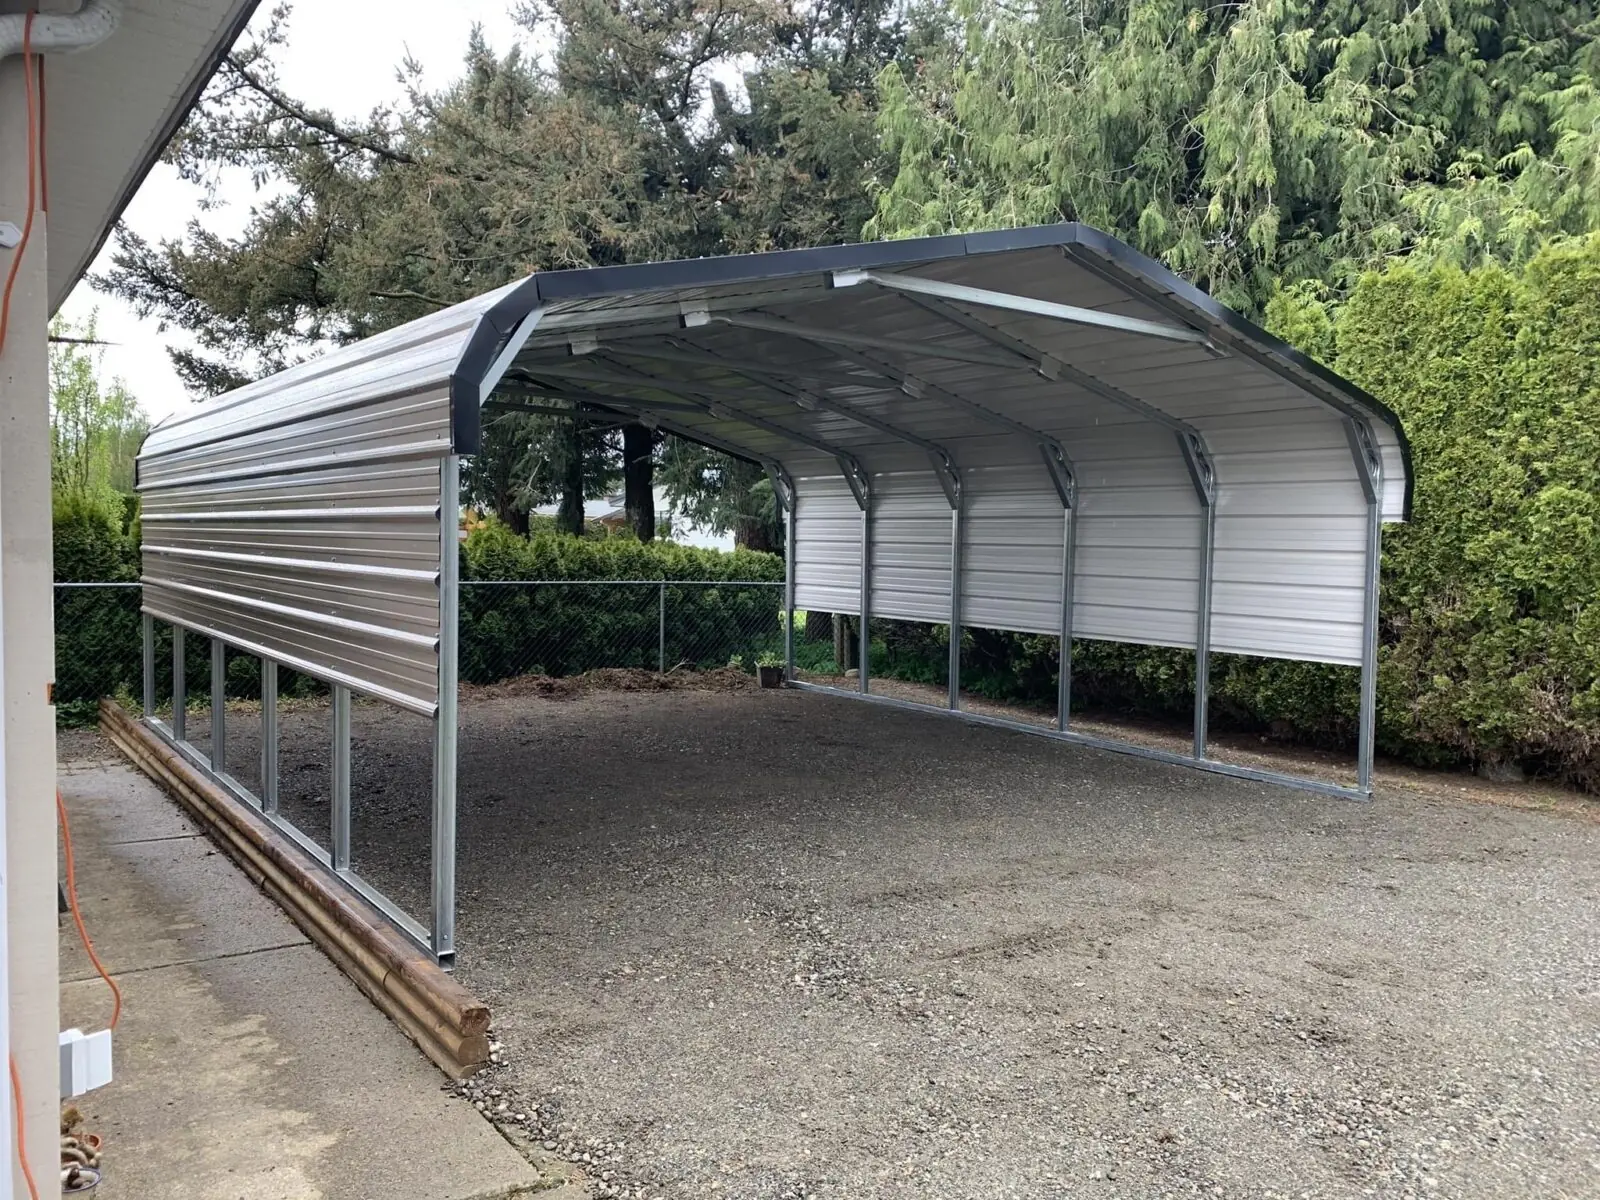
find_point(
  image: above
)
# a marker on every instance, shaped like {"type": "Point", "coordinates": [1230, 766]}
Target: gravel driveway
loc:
{"type": "Point", "coordinates": [772, 944]}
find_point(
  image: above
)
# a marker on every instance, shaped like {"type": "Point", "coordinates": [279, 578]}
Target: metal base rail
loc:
{"type": "Point", "coordinates": [1305, 783]}
{"type": "Point", "coordinates": [392, 912]}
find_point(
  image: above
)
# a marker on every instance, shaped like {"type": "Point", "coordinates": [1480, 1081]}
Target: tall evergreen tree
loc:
{"type": "Point", "coordinates": [1251, 143]}
{"type": "Point", "coordinates": [628, 146]}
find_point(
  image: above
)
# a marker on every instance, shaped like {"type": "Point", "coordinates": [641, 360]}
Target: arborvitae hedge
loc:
{"type": "Point", "coordinates": [558, 628]}
{"type": "Point", "coordinates": [1491, 600]}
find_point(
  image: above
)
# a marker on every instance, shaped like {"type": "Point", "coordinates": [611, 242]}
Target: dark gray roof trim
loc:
{"type": "Point", "coordinates": [1114, 260]}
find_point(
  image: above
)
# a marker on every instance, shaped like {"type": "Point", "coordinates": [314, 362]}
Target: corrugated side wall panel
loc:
{"type": "Point", "coordinates": [1291, 537]}
{"type": "Point", "coordinates": [1012, 550]}
{"type": "Point", "coordinates": [827, 545]}
{"type": "Point", "coordinates": [313, 539]}
{"type": "Point", "coordinates": [910, 548]}
{"type": "Point", "coordinates": [1139, 534]}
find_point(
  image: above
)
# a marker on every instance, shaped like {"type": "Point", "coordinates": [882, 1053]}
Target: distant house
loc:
{"type": "Point", "coordinates": [609, 511]}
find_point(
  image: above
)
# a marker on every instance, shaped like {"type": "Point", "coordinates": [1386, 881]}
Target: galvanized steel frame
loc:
{"type": "Point", "coordinates": [864, 631]}
{"type": "Point", "coordinates": [1204, 477]}
{"type": "Point", "coordinates": [939, 456]}
{"type": "Point", "coordinates": [506, 335]}
{"type": "Point", "coordinates": [335, 858]}
{"type": "Point", "coordinates": [446, 721]}
{"type": "Point", "coordinates": [438, 937]}
{"type": "Point", "coordinates": [961, 293]}
{"type": "Point", "coordinates": [1369, 464]}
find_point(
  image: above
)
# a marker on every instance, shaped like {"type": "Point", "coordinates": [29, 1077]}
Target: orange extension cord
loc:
{"type": "Point", "coordinates": [88, 945]}
{"type": "Point", "coordinates": [77, 917]}
{"type": "Point", "coordinates": [22, 1131]}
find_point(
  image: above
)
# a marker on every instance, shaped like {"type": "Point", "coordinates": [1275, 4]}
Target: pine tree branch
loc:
{"type": "Point", "coordinates": [407, 294]}
{"type": "Point", "coordinates": [324, 125]}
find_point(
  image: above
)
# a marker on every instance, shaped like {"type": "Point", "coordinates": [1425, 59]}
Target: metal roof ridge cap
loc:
{"type": "Point", "coordinates": [724, 269]}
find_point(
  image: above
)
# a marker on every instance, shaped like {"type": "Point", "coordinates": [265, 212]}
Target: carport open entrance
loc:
{"type": "Point", "coordinates": [1036, 431]}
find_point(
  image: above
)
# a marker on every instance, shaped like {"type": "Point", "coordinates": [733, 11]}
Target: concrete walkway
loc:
{"type": "Point", "coordinates": [247, 1067]}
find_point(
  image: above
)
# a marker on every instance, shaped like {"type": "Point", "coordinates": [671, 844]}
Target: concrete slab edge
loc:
{"type": "Point", "coordinates": [448, 1023]}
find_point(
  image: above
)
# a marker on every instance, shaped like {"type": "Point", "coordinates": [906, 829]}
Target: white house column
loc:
{"type": "Point", "coordinates": [27, 661]}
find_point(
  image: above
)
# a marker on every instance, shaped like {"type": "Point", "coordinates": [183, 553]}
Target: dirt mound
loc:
{"type": "Point", "coordinates": [614, 679]}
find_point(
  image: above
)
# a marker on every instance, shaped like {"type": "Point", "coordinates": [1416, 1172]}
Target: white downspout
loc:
{"type": "Point", "coordinates": [61, 33]}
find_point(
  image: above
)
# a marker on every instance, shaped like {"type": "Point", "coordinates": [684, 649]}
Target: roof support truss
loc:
{"type": "Point", "coordinates": [1057, 462]}
{"type": "Point", "coordinates": [1045, 364]}
{"type": "Point", "coordinates": [942, 461]}
{"type": "Point", "coordinates": [839, 337]}
{"type": "Point", "coordinates": [1190, 440]}
{"type": "Point", "coordinates": [854, 473]}
{"type": "Point", "coordinates": [631, 345]}
{"type": "Point", "coordinates": [645, 413]}
{"type": "Point", "coordinates": [984, 298]}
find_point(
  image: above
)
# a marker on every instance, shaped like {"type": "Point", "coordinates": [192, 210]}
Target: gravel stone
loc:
{"type": "Point", "coordinates": [764, 944]}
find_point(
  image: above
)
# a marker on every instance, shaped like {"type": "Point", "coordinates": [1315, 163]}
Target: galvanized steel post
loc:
{"type": "Point", "coordinates": [661, 644]}
{"type": "Point", "coordinates": [339, 810]}
{"type": "Point", "coordinates": [1197, 458]}
{"type": "Point", "coordinates": [1202, 647]}
{"type": "Point", "coordinates": [788, 587]}
{"type": "Point", "coordinates": [148, 664]}
{"type": "Point", "coordinates": [1369, 650]}
{"type": "Point", "coordinates": [444, 722]}
{"type": "Point", "coordinates": [180, 689]}
{"type": "Point", "coordinates": [864, 636]}
{"type": "Point", "coordinates": [955, 604]}
{"type": "Point", "coordinates": [1069, 554]}
{"type": "Point", "coordinates": [219, 708]}
{"type": "Point", "coordinates": [1369, 471]}
{"type": "Point", "coordinates": [269, 736]}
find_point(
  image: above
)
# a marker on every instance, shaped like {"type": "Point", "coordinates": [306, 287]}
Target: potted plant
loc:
{"type": "Point", "coordinates": [769, 670]}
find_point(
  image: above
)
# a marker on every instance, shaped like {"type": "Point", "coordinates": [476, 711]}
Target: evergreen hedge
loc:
{"type": "Point", "coordinates": [568, 624]}
{"type": "Point", "coordinates": [1491, 627]}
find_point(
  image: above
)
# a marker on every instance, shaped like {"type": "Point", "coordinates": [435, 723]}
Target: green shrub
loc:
{"type": "Point", "coordinates": [92, 544]}
{"type": "Point", "coordinates": [1491, 634]}
{"type": "Point", "coordinates": [98, 639]}
{"type": "Point", "coordinates": [568, 622]}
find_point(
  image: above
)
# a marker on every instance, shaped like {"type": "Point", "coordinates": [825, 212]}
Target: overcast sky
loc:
{"type": "Point", "coordinates": [341, 54]}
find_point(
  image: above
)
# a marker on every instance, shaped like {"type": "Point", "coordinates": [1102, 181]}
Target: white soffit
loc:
{"type": "Point", "coordinates": [113, 108]}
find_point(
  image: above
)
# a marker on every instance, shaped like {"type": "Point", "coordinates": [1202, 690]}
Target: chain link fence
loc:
{"type": "Point", "coordinates": [99, 647]}
{"type": "Point", "coordinates": [507, 629]}
{"type": "Point", "coordinates": [568, 627]}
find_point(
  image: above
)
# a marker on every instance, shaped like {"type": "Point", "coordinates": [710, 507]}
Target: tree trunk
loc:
{"type": "Point", "coordinates": [515, 516]}
{"type": "Point", "coordinates": [569, 518]}
{"type": "Point", "coordinates": [755, 533]}
{"type": "Point", "coordinates": [844, 643]}
{"type": "Point", "coordinates": [638, 480]}
{"type": "Point", "coordinates": [819, 626]}
{"type": "Point", "coordinates": [511, 514]}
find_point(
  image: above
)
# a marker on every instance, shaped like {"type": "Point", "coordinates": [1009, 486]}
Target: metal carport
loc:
{"type": "Point", "coordinates": [1037, 430]}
